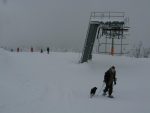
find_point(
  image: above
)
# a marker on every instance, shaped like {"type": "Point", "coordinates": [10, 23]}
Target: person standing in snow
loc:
{"type": "Point", "coordinates": [109, 78]}
{"type": "Point", "coordinates": [47, 50]}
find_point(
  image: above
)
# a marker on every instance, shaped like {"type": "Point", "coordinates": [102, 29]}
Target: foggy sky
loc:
{"type": "Point", "coordinates": [64, 23]}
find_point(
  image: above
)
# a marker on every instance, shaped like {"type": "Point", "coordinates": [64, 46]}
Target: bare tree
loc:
{"type": "Point", "coordinates": [146, 52]}
{"type": "Point", "coordinates": [138, 50]}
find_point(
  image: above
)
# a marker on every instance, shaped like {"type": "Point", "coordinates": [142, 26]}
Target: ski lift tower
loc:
{"type": "Point", "coordinates": [105, 25]}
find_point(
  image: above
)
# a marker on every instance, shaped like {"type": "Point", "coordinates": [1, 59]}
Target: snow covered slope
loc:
{"type": "Point", "coordinates": [57, 83]}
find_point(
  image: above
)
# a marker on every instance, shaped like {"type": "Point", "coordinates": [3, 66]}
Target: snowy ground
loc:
{"type": "Point", "coordinates": [56, 83]}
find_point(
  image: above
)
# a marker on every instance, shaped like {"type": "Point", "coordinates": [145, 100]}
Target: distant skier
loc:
{"type": "Point", "coordinates": [31, 49]}
{"type": "Point", "coordinates": [41, 50]}
{"type": "Point", "coordinates": [109, 78]}
{"type": "Point", "coordinates": [47, 50]}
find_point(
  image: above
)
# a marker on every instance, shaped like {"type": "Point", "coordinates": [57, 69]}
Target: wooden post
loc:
{"type": "Point", "coordinates": [112, 47]}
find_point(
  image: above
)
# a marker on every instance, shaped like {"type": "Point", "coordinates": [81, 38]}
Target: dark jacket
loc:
{"type": "Point", "coordinates": [110, 77]}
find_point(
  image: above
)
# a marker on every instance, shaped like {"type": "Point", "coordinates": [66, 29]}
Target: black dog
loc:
{"type": "Point", "coordinates": [93, 91]}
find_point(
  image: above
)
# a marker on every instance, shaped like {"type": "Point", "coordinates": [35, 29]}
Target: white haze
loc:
{"type": "Point", "coordinates": [64, 23]}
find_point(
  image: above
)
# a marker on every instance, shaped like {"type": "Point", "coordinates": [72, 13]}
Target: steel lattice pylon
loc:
{"type": "Point", "coordinates": [108, 25]}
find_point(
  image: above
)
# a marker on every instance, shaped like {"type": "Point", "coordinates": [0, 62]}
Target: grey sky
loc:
{"type": "Point", "coordinates": [64, 23]}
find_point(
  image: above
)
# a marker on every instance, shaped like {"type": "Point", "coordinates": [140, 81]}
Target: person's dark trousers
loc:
{"type": "Point", "coordinates": [108, 88]}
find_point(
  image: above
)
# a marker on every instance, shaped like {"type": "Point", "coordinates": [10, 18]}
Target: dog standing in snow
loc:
{"type": "Point", "coordinates": [93, 91]}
